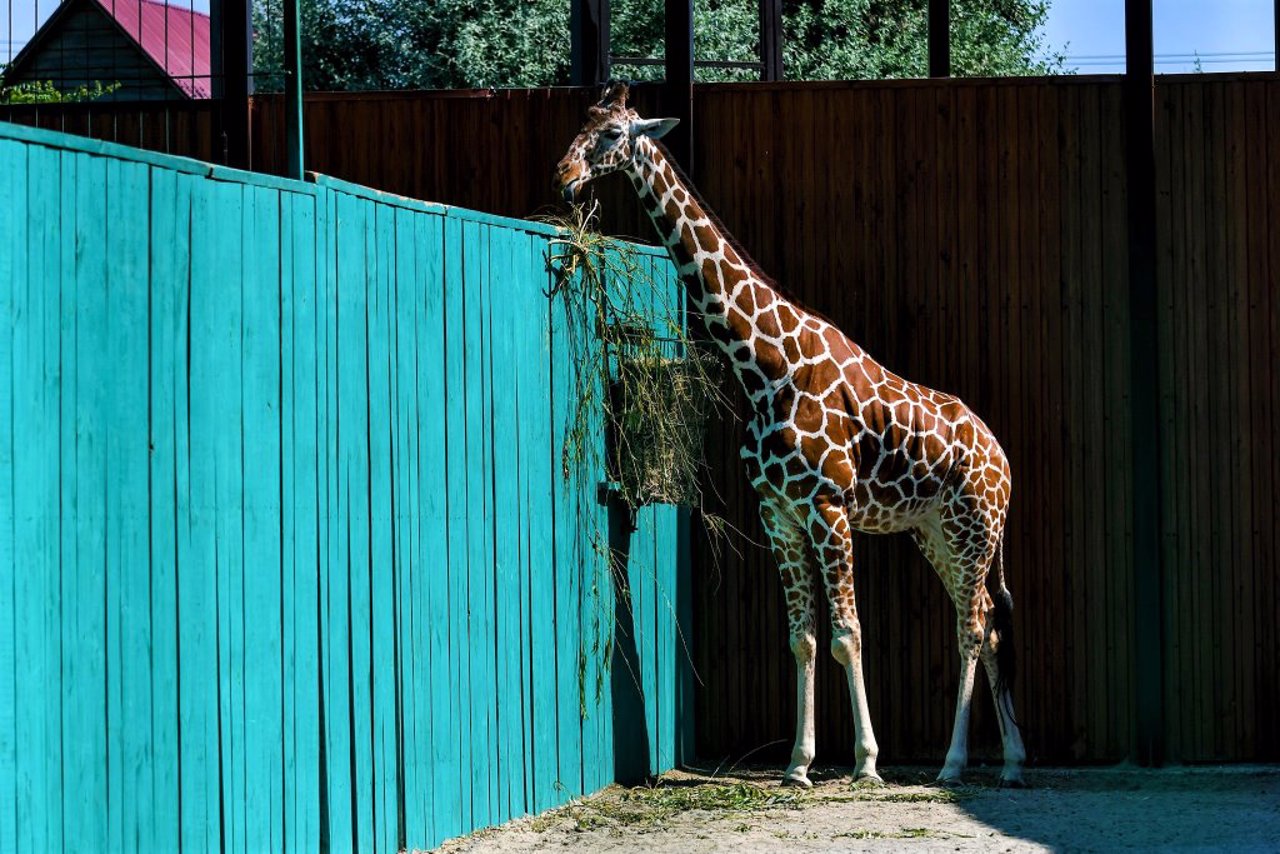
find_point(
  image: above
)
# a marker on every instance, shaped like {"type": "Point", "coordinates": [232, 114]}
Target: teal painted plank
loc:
{"type": "Point", "coordinates": [68, 476]}
{"type": "Point", "coordinates": [127, 565]}
{"type": "Point", "coordinates": [170, 219]}
{"type": "Point", "coordinates": [299, 461]}
{"type": "Point", "coordinates": [199, 423]}
{"type": "Point", "coordinates": [479, 483]}
{"type": "Point", "coordinates": [507, 307]}
{"type": "Point", "coordinates": [347, 261]}
{"type": "Point", "coordinates": [20, 769]}
{"type": "Point", "coordinates": [438, 360]}
{"type": "Point", "coordinates": [35, 378]}
{"type": "Point", "coordinates": [409, 600]}
{"type": "Point", "coordinates": [13, 195]}
{"type": "Point", "coordinates": [263, 744]}
{"type": "Point", "coordinates": [226, 390]}
{"type": "Point", "coordinates": [540, 471]}
{"type": "Point", "coordinates": [385, 653]}
{"type": "Point", "coordinates": [570, 687]}
{"type": "Point", "coordinates": [526, 280]}
{"type": "Point", "coordinates": [460, 651]}
{"type": "Point", "coordinates": [643, 611]}
{"type": "Point", "coordinates": [46, 264]}
{"type": "Point", "coordinates": [597, 612]}
{"type": "Point", "coordinates": [667, 646]}
{"type": "Point", "coordinates": [84, 734]}
{"type": "Point", "coordinates": [335, 619]}
{"type": "Point", "coordinates": [410, 594]}
{"type": "Point", "coordinates": [356, 271]}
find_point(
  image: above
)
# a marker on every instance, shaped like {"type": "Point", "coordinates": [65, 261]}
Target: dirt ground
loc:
{"type": "Point", "coordinates": [1183, 809]}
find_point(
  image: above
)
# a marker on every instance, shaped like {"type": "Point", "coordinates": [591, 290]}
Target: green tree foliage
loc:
{"type": "Point", "coordinates": [429, 44]}
{"type": "Point", "coordinates": [44, 92]}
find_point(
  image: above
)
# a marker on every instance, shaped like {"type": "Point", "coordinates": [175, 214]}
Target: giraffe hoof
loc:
{"type": "Point", "coordinates": [1012, 783]}
{"type": "Point", "coordinates": [797, 780]}
{"type": "Point", "coordinates": [867, 780]}
{"type": "Point", "coordinates": [947, 783]}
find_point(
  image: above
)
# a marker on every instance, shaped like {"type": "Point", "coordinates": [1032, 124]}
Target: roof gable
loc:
{"type": "Point", "coordinates": [172, 38]}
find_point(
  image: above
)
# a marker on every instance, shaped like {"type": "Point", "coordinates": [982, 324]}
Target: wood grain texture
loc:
{"type": "Point", "coordinates": [971, 235]}
{"type": "Point", "coordinates": [284, 494]}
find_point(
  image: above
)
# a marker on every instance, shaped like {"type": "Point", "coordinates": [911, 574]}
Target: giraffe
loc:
{"type": "Point", "coordinates": [836, 443]}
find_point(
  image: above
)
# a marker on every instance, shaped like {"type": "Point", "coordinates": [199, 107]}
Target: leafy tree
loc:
{"type": "Point", "coordinates": [44, 92]}
{"type": "Point", "coordinates": [392, 44]}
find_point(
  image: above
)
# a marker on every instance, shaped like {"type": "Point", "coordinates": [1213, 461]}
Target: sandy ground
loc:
{"type": "Point", "coordinates": [1183, 809]}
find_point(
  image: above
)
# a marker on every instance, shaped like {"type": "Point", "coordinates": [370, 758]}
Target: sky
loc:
{"type": "Point", "coordinates": [1228, 35]}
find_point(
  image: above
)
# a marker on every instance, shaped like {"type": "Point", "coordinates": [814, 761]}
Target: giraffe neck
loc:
{"type": "Point", "coordinates": [740, 310]}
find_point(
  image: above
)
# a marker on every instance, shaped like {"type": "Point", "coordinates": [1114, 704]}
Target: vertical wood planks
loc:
{"type": "Point", "coordinates": [169, 217]}
{"type": "Point", "coordinates": [13, 229]}
{"type": "Point", "coordinates": [300, 588]}
{"type": "Point", "coordinates": [301, 313]}
{"type": "Point", "coordinates": [197, 538]}
{"type": "Point", "coordinates": [263, 557]}
{"type": "Point", "coordinates": [84, 741]}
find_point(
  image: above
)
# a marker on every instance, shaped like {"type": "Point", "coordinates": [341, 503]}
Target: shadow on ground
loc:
{"type": "Point", "coordinates": [686, 812]}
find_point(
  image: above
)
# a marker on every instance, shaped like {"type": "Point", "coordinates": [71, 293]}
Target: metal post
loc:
{"type": "Point", "coordinates": [1139, 104]}
{"type": "Point", "coordinates": [232, 49]}
{"type": "Point", "coordinates": [771, 39]}
{"type": "Point", "coordinates": [292, 91]}
{"type": "Point", "coordinates": [678, 90]}
{"type": "Point", "coordinates": [939, 38]}
{"type": "Point", "coordinates": [588, 42]}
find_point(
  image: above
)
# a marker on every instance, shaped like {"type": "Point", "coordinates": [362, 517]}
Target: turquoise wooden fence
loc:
{"type": "Point", "coordinates": [287, 559]}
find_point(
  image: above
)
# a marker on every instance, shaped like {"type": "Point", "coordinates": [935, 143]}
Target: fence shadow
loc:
{"type": "Point", "coordinates": [630, 726]}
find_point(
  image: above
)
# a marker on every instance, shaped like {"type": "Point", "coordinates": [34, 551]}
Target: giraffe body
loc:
{"type": "Point", "coordinates": [837, 443]}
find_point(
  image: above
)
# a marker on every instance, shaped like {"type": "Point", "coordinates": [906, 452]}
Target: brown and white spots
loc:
{"type": "Point", "coordinates": [836, 444]}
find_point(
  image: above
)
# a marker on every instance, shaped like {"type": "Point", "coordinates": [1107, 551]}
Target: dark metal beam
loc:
{"type": "Point", "coordinates": [771, 39]}
{"type": "Point", "coordinates": [1144, 386]}
{"type": "Point", "coordinates": [939, 38]}
{"type": "Point", "coordinates": [678, 88]}
{"type": "Point", "coordinates": [293, 141]}
{"type": "Point", "coordinates": [588, 42]}
{"type": "Point", "coordinates": [232, 55]}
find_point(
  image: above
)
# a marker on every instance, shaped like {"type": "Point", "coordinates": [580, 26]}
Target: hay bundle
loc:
{"type": "Point", "coordinates": [659, 410]}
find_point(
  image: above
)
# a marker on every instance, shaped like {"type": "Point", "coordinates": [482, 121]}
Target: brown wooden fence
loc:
{"type": "Point", "coordinates": [972, 235]}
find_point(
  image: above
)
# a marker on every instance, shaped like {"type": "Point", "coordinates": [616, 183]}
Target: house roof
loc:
{"type": "Point", "coordinates": [174, 38]}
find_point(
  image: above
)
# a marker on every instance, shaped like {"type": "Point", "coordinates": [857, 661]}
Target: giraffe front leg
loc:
{"type": "Point", "coordinates": [795, 571]}
{"type": "Point", "coordinates": [834, 546]}
{"type": "Point", "coordinates": [804, 646]}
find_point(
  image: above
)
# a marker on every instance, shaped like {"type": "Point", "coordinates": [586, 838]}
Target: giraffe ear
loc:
{"type": "Point", "coordinates": [653, 128]}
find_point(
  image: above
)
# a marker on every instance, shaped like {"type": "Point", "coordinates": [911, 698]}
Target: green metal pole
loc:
{"type": "Point", "coordinates": [1144, 369]}
{"type": "Point", "coordinates": [292, 91]}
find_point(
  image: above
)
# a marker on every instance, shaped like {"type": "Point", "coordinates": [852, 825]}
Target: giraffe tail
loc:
{"type": "Point", "coordinates": [1002, 623]}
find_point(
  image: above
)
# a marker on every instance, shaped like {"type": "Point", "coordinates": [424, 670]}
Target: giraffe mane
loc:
{"type": "Point", "coordinates": [782, 290]}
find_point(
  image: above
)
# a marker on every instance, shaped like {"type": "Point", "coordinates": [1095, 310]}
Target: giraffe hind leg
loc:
{"type": "Point", "coordinates": [960, 553]}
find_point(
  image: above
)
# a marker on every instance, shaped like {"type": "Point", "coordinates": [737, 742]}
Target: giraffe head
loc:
{"type": "Point", "coordinates": [607, 142]}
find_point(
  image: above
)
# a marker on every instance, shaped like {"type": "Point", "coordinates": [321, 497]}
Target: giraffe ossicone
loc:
{"type": "Point", "coordinates": [836, 444]}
